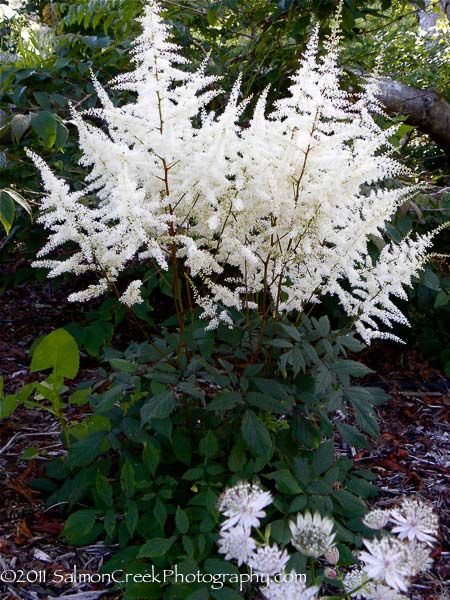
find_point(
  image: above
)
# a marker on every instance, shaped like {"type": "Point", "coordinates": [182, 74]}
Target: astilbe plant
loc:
{"type": "Point", "coordinates": [271, 216]}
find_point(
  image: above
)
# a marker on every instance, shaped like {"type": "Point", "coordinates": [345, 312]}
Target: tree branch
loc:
{"type": "Point", "coordinates": [425, 109]}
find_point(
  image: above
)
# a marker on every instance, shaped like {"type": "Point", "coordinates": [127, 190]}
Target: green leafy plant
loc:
{"type": "Point", "coordinates": [57, 352]}
{"type": "Point", "coordinates": [145, 468]}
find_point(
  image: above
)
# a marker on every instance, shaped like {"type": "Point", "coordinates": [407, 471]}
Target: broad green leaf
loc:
{"type": "Point", "coordinates": [19, 125]}
{"type": "Point", "coordinates": [17, 198]}
{"type": "Point", "coordinates": [131, 516]}
{"type": "Point", "coordinates": [123, 366]}
{"type": "Point", "coordinates": [323, 458]}
{"type": "Point", "coordinates": [237, 458]}
{"type": "Point", "coordinates": [285, 482]}
{"type": "Point", "coordinates": [103, 489]}
{"type": "Point", "coordinates": [156, 547]}
{"type": "Point", "coordinates": [7, 211]}
{"type": "Point", "coordinates": [182, 447]}
{"type": "Point", "coordinates": [8, 405]}
{"type": "Point", "coordinates": [160, 512]}
{"type": "Point", "coordinates": [266, 402]}
{"type": "Point", "coordinates": [351, 505]}
{"type": "Point", "coordinates": [58, 351]}
{"type": "Point", "coordinates": [86, 450]}
{"type": "Point", "coordinates": [181, 520]}
{"type": "Point", "coordinates": [351, 367]}
{"type": "Point", "coordinates": [62, 133]}
{"type": "Point", "coordinates": [224, 401]}
{"type": "Point", "coordinates": [78, 525]}
{"type": "Point", "coordinates": [45, 124]}
{"type": "Point", "coordinates": [127, 479]}
{"type": "Point", "coordinates": [158, 407]}
{"type": "Point", "coordinates": [151, 456]}
{"type": "Point", "coordinates": [209, 445]}
{"type": "Point", "coordinates": [256, 435]}
{"type": "Point", "coordinates": [109, 522]}
{"type": "Point", "coordinates": [352, 436]}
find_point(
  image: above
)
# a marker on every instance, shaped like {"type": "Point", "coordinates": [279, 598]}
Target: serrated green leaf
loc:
{"type": "Point", "coordinates": [256, 435]}
{"type": "Point", "coordinates": [151, 457]}
{"type": "Point", "coordinates": [156, 547]}
{"type": "Point", "coordinates": [127, 479]}
{"type": "Point", "coordinates": [103, 489]}
{"type": "Point", "coordinates": [209, 446]}
{"type": "Point", "coordinates": [158, 407]}
{"type": "Point", "coordinates": [351, 367]}
{"type": "Point", "coordinates": [352, 436]}
{"type": "Point", "coordinates": [323, 458]}
{"type": "Point", "coordinates": [224, 401]}
{"type": "Point", "coordinates": [285, 482]}
{"type": "Point", "coordinates": [78, 525]}
{"type": "Point", "coordinates": [131, 516]}
{"type": "Point", "coordinates": [181, 520]}
{"type": "Point", "coordinates": [109, 522]}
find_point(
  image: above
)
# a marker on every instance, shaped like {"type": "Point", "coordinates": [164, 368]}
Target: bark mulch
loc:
{"type": "Point", "coordinates": [412, 457]}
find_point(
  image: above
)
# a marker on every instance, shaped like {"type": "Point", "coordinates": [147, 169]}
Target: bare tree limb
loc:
{"type": "Point", "coordinates": [425, 109]}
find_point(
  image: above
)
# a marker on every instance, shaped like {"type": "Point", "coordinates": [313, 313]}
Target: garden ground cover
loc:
{"type": "Point", "coordinates": [413, 453]}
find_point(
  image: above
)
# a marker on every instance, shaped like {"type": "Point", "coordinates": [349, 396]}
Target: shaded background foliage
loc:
{"type": "Point", "coordinates": [260, 39]}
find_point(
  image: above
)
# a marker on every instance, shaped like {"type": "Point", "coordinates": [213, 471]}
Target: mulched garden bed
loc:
{"type": "Point", "coordinates": [412, 456]}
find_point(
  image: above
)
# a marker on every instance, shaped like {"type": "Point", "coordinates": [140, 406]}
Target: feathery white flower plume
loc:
{"type": "Point", "coordinates": [288, 204]}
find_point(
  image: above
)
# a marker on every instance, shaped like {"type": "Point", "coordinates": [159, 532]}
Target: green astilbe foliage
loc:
{"type": "Point", "coordinates": [146, 466]}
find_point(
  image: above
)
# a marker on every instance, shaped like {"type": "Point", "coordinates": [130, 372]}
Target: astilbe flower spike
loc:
{"type": "Point", "coordinates": [283, 208]}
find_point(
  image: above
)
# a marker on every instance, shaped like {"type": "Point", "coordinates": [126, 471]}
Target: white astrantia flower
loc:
{"type": "Point", "coordinates": [377, 518]}
{"type": "Point", "coordinates": [237, 544]}
{"type": "Point", "coordinates": [289, 587]}
{"type": "Point", "coordinates": [132, 294]}
{"type": "Point", "coordinates": [269, 560]}
{"type": "Point", "coordinates": [415, 520]}
{"type": "Point", "coordinates": [312, 535]}
{"type": "Point", "coordinates": [243, 505]}
{"type": "Point", "coordinates": [357, 584]}
{"type": "Point", "coordinates": [383, 592]}
{"type": "Point", "coordinates": [386, 561]}
{"type": "Point", "coordinates": [332, 555]}
{"type": "Point", "coordinates": [288, 204]}
{"type": "Point", "coordinates": [419, 558]}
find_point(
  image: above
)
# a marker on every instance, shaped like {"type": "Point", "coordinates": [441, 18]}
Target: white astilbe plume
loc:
{"type": "Point", "coordinates": [282, 209]}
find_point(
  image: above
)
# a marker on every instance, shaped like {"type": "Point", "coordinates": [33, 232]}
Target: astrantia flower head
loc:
{"type": "Point", "coordinates": [356, 583]}
{"type": "Point", "coordinates": [386, 561]}
{"type": "Point", "coordinates": [419, 558]}
{"type": "Point", "coordinates": [269, 560]}
{"type": "Point", "coordinates": [289, 587]}
{"type": "Point", "coordinates": [312, 535]}
{"type": "Point", "coordinates": [382, 592]}
{"type": "Point", "coordinates": [415, 520]}
{"type": "Point", "coordinates": [237, 544]}
{"type": "Point", "coordinates": [243, 504]}
{"type": "Point", "coordinates": [377, 518]}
